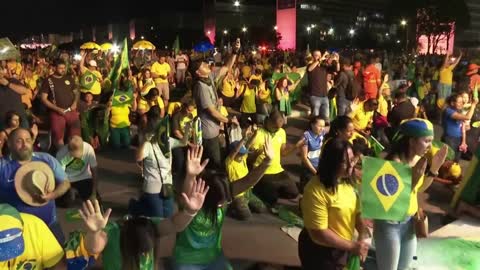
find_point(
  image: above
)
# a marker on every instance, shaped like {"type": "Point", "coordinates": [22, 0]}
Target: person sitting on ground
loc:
{"type": "Point", "coordinates": [80, 164]}
{"type": "Point", "coordinates": [362, 116]}
{"type": "Point", "coordinates": [199, 246]}
{"type": "Point", "coordinates": [182, 130]}
{"type": "Point", "coordinates": [236, 165]}
{"type": "Point", "coordinates": [312, 142]}
{"type": "Point", "coordinates": [275, 183]}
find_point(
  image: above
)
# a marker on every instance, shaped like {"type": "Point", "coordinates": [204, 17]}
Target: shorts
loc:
{"type": "Point", "coordinates": [163, 90]}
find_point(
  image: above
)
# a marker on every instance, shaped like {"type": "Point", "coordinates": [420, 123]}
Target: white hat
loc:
{"type": "Point", "coordinates": [92, 63]}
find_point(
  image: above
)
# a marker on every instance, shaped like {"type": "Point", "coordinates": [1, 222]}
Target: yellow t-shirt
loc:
{"type": "Point", "coordinates": [97, 86]}
{"type": "Point", "coordinates": [32, 81]}
{"type": "Point", "coordinates": [27, 98]}
{"type": "Point", "coordinates": [446, 75]}
{"type": "Point", "coordinates": [173, 106]}
{"type": "Point", "coordinates": [120, 116]}
{"type": "Point", "coordinates": [278, 139]}
{"type": "Point", "coordinates": [160, 69]}
{"type": "Point", "coordinates": [413, 207]}
{"type": "Point", "coordinates": [322, 209]}
{"type": "Point", "coordinates": [41, 248]}
{"type": "Point", "coordinates": [361, 118]}
{"type": "Point", "coordinates": [382, 106]}
{"type": "Point", "coordinates": [145, 86]}
{"type": "Point", "coordinates": [145, 106]}
{"type": "Point", "coordinates": [228, 88]}
{"type": "Point", "coordinates": [223, 111]}
{"type": "Point", "coordinates": [236, 169]}
{"type": "Point", "coordinates": [265, 95]}
{"type": "Point", "coordinates": [248, 102]}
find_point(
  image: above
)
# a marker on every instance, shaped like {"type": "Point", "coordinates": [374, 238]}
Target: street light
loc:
{"type": "Point", "coordinates": [308, 29]}
{"type": "Point", "coordinates": [313, 25]}
{"type": "Point", "coordinates": [236, 3]}
{"type": "Point", "coordinates": [403, 23]}
{"type": "Point", "coordinates": [330, 31]}
{"type": "Point", "coordinates": [351, 32]}
{"type": "Point", "coordinates": [225, 31]}
{"type": "Point", "coordinates": [143, 37]}
{"type": "Point", "coordinates": [244, 29]}
{"type": "Point", "coordinates": [208, 32]}
{"type": "Point", "coordinates": [275, 28]}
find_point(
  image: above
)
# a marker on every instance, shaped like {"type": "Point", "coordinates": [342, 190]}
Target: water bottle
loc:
{"type": "Point", "coordinates": [414, 265]}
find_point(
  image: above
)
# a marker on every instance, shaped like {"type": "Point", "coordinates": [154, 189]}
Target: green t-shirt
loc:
{"type": "Point", "coordinates": [112, 256]}
{"type": "Point", "coordinates": [200, 242]}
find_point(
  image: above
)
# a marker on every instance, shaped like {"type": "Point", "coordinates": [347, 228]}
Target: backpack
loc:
{"type": "Point", "coordinates": [353, 89]}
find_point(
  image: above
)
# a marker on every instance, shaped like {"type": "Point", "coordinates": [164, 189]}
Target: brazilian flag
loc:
{"type": "Point", "coordinates": [163, 133]}
{"type": "Point", "coordinates": [197, 131]}
{"type": "Point", "coordinates": [469, 190]}
{"type": "Point", "coordinates": [376, 146]}
{"type": "Point", "coordinates": [386, 188]}
{"type": "Point", "coordinates": [294, 76]}
{"type": "Point", "coordinates": [122, 97]}
{"type": "Point", "coordinates": [76, 254]}
{"type": "Point", "coordinates": [87, 80]}
{"type": "Point", "coordinates": [120, 66]}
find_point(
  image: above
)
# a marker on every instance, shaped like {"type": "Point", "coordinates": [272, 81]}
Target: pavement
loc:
{"type": "Point", "coordinates": [255, 244]}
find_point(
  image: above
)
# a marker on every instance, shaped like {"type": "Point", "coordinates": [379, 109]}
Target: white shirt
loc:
{"type": "Point", "coordinates": [78, 169]}
{"type": "Point", "coordinates": [181, 61]}
{"type": "Point", "coordinates": [151, 169]}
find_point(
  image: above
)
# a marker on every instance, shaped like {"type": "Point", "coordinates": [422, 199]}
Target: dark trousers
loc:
{"type": "Point", "coordinates": [212, 151]}
{"type": "Point", "coordinates": [274, 186]}
{"type": "Point", "coordinates": [151, 205]}
{"type": "Point", "coordinates": [454, 143]}
{"type": "Point", "coordinates": [315, 257]}
{"type": "Point", "coordinates": [84, 189]}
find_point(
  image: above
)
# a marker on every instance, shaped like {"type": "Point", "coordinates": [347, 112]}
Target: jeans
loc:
{"type": "Point", "coordinates": [320, 106]}
{"type": "Point", "coordinates": [343, 106]}
{"type": "Point", "coordinates": [221, 263]}
{"type": "Point", "coordinates": [454, 143]}
{"type": "Point", "coordinates": [212, 151]}
{"type": "Point", "coordinates": [151, 205]}
{"type": "Point", "coordinates": [395, 244]}
{"type": "Point", "coordinates": [120, 137]}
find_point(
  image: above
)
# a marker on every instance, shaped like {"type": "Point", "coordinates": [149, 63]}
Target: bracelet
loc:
{"type": "Point", "coordinates": [431, 174]}
{"type": "Point", "coordinates": [189, 214]}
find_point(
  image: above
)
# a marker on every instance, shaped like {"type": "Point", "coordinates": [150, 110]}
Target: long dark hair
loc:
{"type": "Point", "coordinates": [8, 117]}
{"type": "Point", "coordinates": [138, 236]}
{"type": "Point", "coordinates": [218, 192]}
{"type": "Point", "coordinates": [340, 123]}
{"type": "Point", "coordinates": [331, 160]}
{"type": "Point", "coordinates": [399, 148]}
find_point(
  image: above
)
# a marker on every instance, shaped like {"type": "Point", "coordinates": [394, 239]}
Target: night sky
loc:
{"type": "Point", "coordinates": [43, 16]}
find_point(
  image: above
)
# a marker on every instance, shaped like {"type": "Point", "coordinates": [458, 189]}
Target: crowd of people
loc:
{"type": "Point", "coordinates": [222, 119]}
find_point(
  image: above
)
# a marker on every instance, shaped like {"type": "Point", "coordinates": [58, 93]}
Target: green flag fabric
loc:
{"type": "Point", "coordinates": [294, 76]}
{"type": "Point", "coordinates": [469, 190]}
{"type": "Point", "coordinates": [437, 145]}
{"type": "Point", "coordinates": [376, 146]}
{"type": "Point", "coordinates": [120, 66]}
{"type": "Point", "coordinates": [87, 80]}
{"type": "Point", "coordinates": [163, 133]}
{"type": "Point", "coordinates": [176, 45]}
{"type": "Point", "coordinates": [353, 263]}
{"type": "Point", "coordinates": [8, 50]}
{"type": "Point", "coordinates": [386, 188]}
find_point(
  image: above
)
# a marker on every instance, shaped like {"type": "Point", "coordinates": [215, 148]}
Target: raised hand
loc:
{"type": "Point", "coordinates": [418, 171]}
{"type": "Point", "coordinates": [92, 216]}
{"type": "Point", "coordinates": [194, 161]}
{"type": "Point", "coordinates": [194, 200]}
{"type": "Point", "coordinates": [438, 159]}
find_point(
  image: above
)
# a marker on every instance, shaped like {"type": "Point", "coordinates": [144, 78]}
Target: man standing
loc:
{"type": "Point", "coordinates": [59, 95]}
{"type": "Point", "coordinates": [446, 76]}
{"type": "Point", "coordinates": [371, 80]}
{"type": "Point", "coordinates": [317, 85]}
{"type": "Point", "coordinates": [79, 162]}
{"type": "Point", "coordinates": [11, 91]}
{"type": "Point", "coordinates": [20, 144]}
{"type": "Point", "coordinates": [160, 71]}
{"type": "Point", "coordinates": [347, 88]}
{"type": "Point", "coordinates": [182, 65]}
{"type": "Point", "coordinates": [206, 99]}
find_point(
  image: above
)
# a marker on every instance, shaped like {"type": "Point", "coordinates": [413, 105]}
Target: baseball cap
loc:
{"type": "Point", "coordinates": [242, 151]}
{"type": "Point", "coordinates": [11, 233]}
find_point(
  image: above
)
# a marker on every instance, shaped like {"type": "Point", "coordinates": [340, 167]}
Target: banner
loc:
{"type": "Point", "coordinates": [386, 188]}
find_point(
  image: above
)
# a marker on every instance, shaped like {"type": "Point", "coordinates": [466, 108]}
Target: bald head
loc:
{"type": "Point", "coordinates": [75, 145]}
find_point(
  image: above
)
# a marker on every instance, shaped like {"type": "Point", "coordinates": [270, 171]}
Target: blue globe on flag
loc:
{"type": "Point", "coordinates": [387, 184]}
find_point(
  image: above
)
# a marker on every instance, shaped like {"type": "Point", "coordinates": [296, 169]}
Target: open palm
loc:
{"type": "Point", "coordinates": [194, 161]}
{"type": "Point", "coordinates": [194, 200]}
{"type": "Point", "coordinates": [92, 216]}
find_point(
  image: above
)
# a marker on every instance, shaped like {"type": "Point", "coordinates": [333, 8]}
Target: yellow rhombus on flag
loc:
{"type": "Point", "coordinates": [386, 188]}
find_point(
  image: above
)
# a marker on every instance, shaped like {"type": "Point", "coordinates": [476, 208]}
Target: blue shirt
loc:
{"type": "Point", "coordinates": [451, 127]}
{"type": "Point", "coordinates": [8, 194]}
{"type": "Point", "coordinates": [314, 143]}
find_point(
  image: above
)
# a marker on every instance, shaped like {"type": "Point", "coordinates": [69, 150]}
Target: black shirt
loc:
{"type": "Point", "coordinates": [317, 81]}
{"type": "Point", "coordinates": [64, 91]}
{"type": "Point", "coordinates": [10, 101]}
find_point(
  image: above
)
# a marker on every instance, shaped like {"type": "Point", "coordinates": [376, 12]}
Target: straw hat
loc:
{"type": "Point", "coordinates": [33, 180]}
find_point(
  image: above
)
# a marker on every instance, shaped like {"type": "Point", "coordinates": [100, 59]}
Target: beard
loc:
{"type": "Point", "coordinates": [23, 154]}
